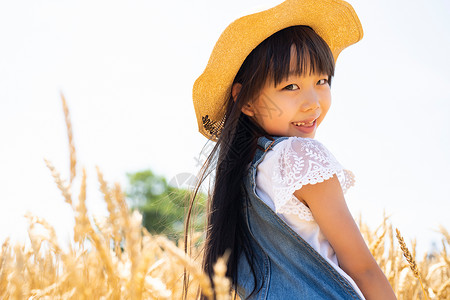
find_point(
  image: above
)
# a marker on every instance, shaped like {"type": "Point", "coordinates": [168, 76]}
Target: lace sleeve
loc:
{"type": "Point", "coordinates": [304, 161]}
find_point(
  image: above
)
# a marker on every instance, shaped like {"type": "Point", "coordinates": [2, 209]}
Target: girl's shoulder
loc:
{"type": "Point", "coordinates": [298, 161]}
{"type": "Point", "coordinates": [296, 148]}
{"type": "Point", "coordinates": [299, 143]}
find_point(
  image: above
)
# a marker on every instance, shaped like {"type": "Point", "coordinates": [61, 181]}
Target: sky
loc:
{"type": "Point", "coordinates": [127, 68]}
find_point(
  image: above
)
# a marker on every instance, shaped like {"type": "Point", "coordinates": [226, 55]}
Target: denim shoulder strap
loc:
{"type": "Point", "coordinates": [265, 143]}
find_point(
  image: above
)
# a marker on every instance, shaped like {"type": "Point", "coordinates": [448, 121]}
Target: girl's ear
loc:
{"type": "Point", "coordinates": [247, 108]}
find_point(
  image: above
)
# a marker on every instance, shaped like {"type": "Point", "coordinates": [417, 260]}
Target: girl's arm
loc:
{"type": "Point", "coordinates": [328, 206]}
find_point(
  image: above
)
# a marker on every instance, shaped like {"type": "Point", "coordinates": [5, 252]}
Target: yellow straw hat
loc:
{"type": "Point", "coordinates": [335, 21]}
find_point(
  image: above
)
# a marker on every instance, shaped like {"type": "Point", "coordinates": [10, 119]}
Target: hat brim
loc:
{"type": "Point", "coordinates": [333, 20]}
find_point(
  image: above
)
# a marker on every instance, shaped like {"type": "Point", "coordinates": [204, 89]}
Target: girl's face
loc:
{"type": "Point", "coordinates": [295, 107]}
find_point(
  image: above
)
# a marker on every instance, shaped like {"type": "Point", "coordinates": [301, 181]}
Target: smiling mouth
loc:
{"type": "Point", "coordinates": [312, 123]}
{"type": "Point", "coordinates": [307, 128]}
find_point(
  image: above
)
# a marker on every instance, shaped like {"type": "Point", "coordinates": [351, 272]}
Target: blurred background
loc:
{"type": "Point", "coordinates": [127, 68]}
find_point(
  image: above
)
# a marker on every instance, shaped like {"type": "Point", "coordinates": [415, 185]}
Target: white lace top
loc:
{"type": "Point", "coordinates": [291, 164]}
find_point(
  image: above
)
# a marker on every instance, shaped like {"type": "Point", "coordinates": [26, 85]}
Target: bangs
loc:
{"type": "Point", "coordinates": [313, 54]}
{"type": "Point", "coordinates": [270, 61]}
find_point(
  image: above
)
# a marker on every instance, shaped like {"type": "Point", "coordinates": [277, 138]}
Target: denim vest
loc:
{"type": "Point", "coordinates": [287, 266]}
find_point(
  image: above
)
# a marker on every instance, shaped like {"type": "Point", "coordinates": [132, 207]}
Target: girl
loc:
{"type": "Point", "coordinates": [277, 206]}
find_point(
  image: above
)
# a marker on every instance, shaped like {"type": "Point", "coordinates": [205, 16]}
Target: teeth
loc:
{"type": "Point", "coordinates": [302, 124]}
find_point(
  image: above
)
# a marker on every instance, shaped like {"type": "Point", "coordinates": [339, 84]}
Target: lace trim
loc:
{"type": "Point", "coordinates": [346, 179]}
{"type": "Point", "coordinates": [295, 207]}
{"type": "Point", "coordinates": [304, 161]}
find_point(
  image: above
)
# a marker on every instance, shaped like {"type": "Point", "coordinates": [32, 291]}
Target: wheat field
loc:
{"type": "Point", "coordinates": [114, 257]}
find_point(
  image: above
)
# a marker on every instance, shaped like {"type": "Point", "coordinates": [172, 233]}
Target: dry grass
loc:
{"type": "Point", "coordinates": [116, 258]}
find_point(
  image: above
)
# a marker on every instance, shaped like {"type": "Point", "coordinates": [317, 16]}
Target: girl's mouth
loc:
{"type": "Point", "coordinates": [306, 128]}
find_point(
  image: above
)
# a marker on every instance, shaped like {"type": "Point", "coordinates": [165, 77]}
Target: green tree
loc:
{"type": "Point", "coordinates": [163, 206]}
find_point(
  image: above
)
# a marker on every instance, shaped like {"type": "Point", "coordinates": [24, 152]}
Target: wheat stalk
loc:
{"type": "Point", "coordinates": [82, 224]}
{"type": "Point", "coordinates": [374, 247]}
{"type": "Point", "coordinates": [190, 265]}
{"type": "Point", "coordinates": [38, 294]}
{"type": "Point", "coordinates": [3, 265]}
{"type": "Point", "coordinates": [65, 189]}
{"type": "Point", "coordinates": [221, 283]}
{"type": "Point", "coordinates": [112, 205]}
{"type": "Point", "coordinates": [73, 157]}
{"type": "Point", "coordinates": [410, 260]}
{"type": "Point", "coordinates": [445, 233]}
{"type": "Point", "coordinates": [442, 292]}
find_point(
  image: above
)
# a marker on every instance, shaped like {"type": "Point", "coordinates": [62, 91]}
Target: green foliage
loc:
{"type": "Point", "coordinates": [163, 206]}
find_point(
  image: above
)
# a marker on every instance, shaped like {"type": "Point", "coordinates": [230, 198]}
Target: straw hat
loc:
{"type": "Point", "coordinates": [333, 20]}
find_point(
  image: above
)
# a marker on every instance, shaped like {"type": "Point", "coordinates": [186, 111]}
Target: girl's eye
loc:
{"type": "Point", "coordinates": [291, 87]}
{"type": "Point", "coordinates": [322, 81]}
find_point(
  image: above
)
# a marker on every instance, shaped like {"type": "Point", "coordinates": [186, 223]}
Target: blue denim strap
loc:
{"type": "Point", "coordinates": [266, 143]}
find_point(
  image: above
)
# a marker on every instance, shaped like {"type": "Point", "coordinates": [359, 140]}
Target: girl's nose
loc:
{"type": "Point", "coordinates": [310, 100]}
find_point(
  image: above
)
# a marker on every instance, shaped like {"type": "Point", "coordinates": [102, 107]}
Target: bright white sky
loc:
{"type": "Point", "coordinates": [127, 70]}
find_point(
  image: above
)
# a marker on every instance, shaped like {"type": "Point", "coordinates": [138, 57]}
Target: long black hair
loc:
{"type": "Point", "coordinates": [236, 145]}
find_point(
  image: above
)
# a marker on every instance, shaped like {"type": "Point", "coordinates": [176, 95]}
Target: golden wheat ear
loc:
{"type": "Point", "coordinates": [62, 186]}
{"type": "Point", "coordinates": [193, 267]}
{"type": "Point", "coordinates": [73, 156]}
{"type": "Point", "coordinates": [222, 284]}
{"type": "Point", "coordinates": [410, 259]}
